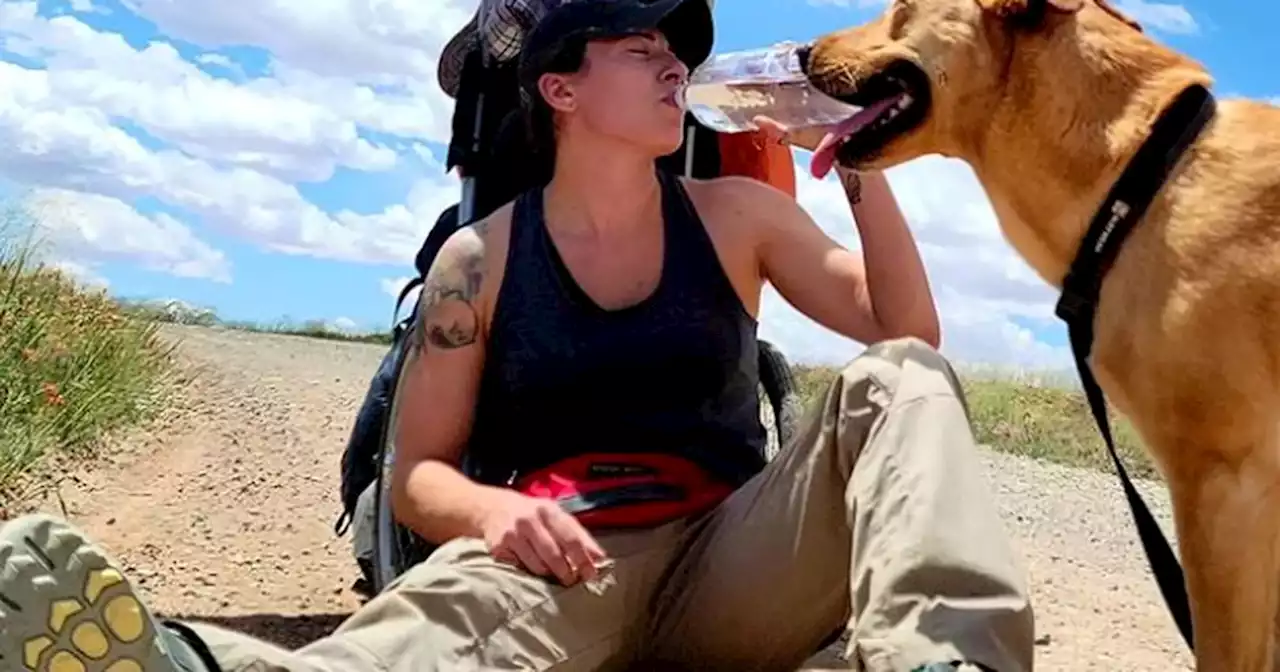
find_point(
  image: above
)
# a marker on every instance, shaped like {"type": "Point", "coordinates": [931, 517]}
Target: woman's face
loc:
{"type": "Point", "coordinates": [628, 88]}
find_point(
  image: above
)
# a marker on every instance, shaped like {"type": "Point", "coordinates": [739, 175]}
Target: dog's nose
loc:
{"type": "Point", "coordinates": [802, 53]}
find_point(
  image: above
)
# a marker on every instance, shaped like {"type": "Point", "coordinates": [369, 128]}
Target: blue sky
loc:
{"type": "Point", "coordinates": [281, 158]}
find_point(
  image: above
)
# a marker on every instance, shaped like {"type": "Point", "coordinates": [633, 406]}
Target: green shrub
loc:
{"type": "Point", "coordinates": [73, 365]}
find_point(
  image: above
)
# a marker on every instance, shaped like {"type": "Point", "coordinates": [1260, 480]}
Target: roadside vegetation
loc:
{"type": "Point", "coordinates": [1029, 415]}
{"type": "Point", "coordinates": [74, 365]}
{"type": "Point", "coordinates": [176, 312]}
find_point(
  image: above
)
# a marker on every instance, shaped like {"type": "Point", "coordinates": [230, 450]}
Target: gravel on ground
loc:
{"type": "Point", "coordinates": [224, 511]}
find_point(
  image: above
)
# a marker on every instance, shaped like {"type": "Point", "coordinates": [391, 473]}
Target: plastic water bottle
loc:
{"type": "Point", "coordinates": [728, 90]}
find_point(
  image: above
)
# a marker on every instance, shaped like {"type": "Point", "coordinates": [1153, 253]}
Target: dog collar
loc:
{"type": "Point", "coordinates": [1173, 133]}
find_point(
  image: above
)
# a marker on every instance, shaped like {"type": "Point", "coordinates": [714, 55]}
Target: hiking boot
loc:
{"type": "Point", "coordinates": [66, 607]}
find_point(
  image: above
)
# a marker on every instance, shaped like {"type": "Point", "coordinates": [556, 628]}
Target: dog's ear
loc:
{"type": "Point", "coordinates": [1029, 12]}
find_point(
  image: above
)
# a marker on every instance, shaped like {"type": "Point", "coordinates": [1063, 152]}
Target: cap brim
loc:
{"type": "Point", "coordinates": [454, 56]}
{"type": "Point", "coordinates": [687, 25]}
{"type": "Point", "coordinates": [690, 28]}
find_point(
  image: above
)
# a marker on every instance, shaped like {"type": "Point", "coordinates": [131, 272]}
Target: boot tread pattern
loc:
{"type": "Point", "coordinates": [64, 606]}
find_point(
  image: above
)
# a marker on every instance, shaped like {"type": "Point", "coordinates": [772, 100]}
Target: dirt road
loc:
{"type": "Point", "coordinates": [225, 512]}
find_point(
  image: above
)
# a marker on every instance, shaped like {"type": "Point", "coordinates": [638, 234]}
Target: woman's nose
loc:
{"type": "Point", "coordinates": [678, 73]}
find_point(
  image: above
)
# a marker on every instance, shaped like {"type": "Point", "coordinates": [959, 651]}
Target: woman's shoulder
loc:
{"type": "Point", "coordinates": [736, 201]}
{"type": "Point", "coordinates": [475, 254]}
{"type": "Point", "coordinates": [494, 228]}
{"type": "Point", "coordinates": [733, 190]}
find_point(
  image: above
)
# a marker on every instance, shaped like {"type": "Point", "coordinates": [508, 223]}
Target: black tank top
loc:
{"type": "Point", "coordinates": [676, 373]}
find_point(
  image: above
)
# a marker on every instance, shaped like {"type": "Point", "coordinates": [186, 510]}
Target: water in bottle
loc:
{"type": "Point", "coordinates": [728, 90]}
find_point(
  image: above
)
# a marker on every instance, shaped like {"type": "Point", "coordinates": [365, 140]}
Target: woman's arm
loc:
{"type": "Point", "coordinates": [444, 359]}
{"type": "Point", "coordinates": [895, 274]}
{"type": "Point", "coordinates": [880, 293]}
{"type": "Point", "coordinates": [870, 296]}
{"type": "Point", "coordinates": [442, 373]}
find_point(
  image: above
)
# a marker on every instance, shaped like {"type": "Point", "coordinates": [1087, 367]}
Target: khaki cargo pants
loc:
{"type": "Point", "coordinates": [876, 517]}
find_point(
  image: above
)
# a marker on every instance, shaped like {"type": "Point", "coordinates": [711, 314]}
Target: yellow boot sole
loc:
{"type": "Point", "coordinates": [66, 607]}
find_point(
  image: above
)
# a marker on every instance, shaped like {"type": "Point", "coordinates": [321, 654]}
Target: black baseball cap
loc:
{"type": "Point", "coordinates": [687, 25]}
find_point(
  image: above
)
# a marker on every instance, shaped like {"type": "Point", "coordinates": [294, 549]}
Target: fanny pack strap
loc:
{"type": "Point", "coordinates": [636, 493]}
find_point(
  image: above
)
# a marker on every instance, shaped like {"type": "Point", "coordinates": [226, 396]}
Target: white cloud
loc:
{"type": "Point", "coordinates": [983, 289]}
{"type": "Point", "coordinates": [235, 150]}
{"type": "Point", "coordinates": [1167, 17]}
{"type": "Point", "coordinates": [383, 73]}
{"type": "Point", "coordinates": [344, 325]}
{"type": "Point", "coordinates": [57, 143]}
{"type": "Point", "coordinates": [85, 228]}
{"type": "Point", "coordinates": [393, 286]}
{"type": "Point", "coordinates": [396, 233]}
{"type": "Point", "coordinates": [216, 59]}
{"type": "Point", "coordinates": [101, 124]}
{"type": "Point", "coordinates": [292, 132]}
{"type": "Point", "coordinates": [83, 274]}
{"type": "Point", "coordinates": [391, 42]}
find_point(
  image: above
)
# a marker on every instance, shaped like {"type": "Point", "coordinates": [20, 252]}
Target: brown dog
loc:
{"type": "Point", "coordinates": [1047, 101]}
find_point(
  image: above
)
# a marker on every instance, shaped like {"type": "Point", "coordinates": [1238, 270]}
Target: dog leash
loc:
{"type": "Point", "coordinates": [1131, 195]}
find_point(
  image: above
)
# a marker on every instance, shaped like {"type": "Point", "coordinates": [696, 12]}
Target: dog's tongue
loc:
{"type": "Point", "coordinates": [824, 155]}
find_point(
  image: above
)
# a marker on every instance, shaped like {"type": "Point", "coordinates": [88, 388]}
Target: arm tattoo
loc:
{"type": "Point", "coordinates": [852, 182]}
{"type": "Point", "coordinates": [447, 316]}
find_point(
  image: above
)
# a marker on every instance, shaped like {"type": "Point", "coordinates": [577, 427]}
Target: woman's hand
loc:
{"type": "Point", "coordinates": [538, 535]}
{"type": "Point", "coordinates": [806, 137]}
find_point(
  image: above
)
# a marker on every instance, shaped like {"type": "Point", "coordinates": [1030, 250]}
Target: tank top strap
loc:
{"type": "Point", "coordinates": [526, 221]}
{"type": "Point", "coordinates": [686, 234]}
{"type": "Point", "coordinates": [691, 252]}
{"type": "Point", "coordinates": [527, 277]}
{"type": "Point", "coordinates": [676, 205]}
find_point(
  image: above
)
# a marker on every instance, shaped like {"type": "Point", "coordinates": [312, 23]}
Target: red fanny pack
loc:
{"type": "Point", "coordinates": [611, 490]}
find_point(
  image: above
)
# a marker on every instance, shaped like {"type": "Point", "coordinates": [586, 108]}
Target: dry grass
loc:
{"type": "Point", "coordinates": [73, 365]}
{"type": "Point", "coordinates": [1025, 416]}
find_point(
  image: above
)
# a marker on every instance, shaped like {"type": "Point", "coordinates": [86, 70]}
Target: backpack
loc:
{"type": "Point", "coordinates": [359, 467]}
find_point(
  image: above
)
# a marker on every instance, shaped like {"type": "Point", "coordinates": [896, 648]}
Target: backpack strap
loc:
{"type": "Point", "coordinates": [400, 327]}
